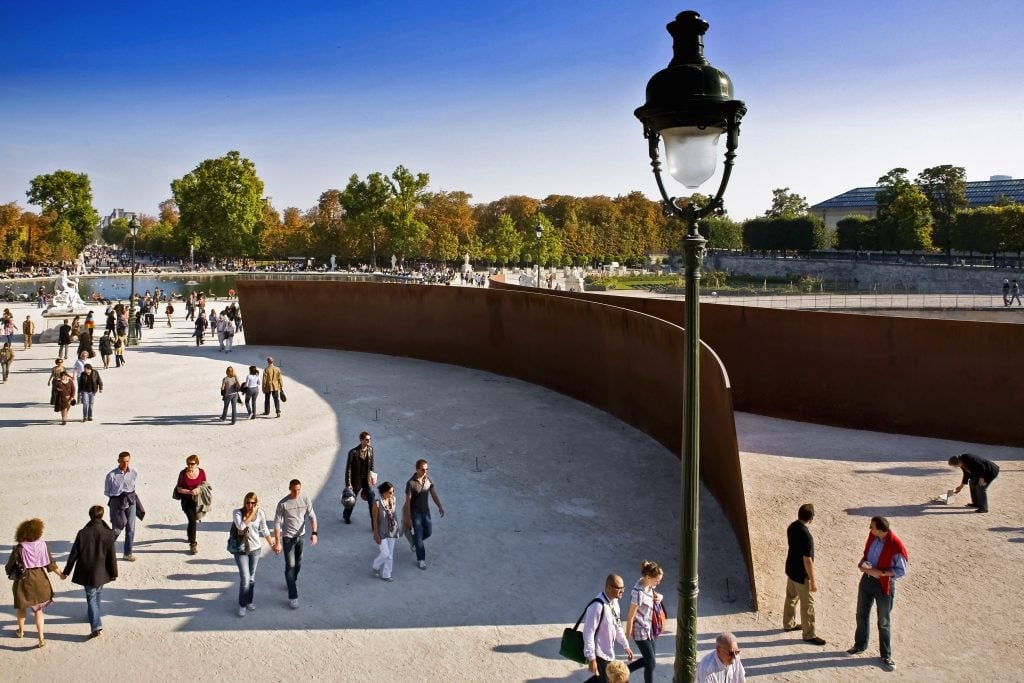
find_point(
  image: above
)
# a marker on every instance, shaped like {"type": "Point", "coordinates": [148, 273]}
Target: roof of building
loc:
{"type": "Point", "coordinates": [979, 193]}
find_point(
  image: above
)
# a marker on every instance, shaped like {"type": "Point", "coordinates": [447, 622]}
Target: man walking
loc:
{"type": "Point", "coordinates": [28, 328]}
{"type": "Point", "coordinates": [800, 579]}
{"type": "Point", "coordinates": [94, 561]}
{"type": "Point", "coordinates": [602, 628]}
{"type": "Point", "coordinates": [289, 531]}
{"type": "Point", "coordinates": [416, 510]}
{"type": "Point", "coordinates": [63, 339]}
{"type": "Point", "coordinates": [272, 386]}
{"type": "Point", "coordinates": [978, 474]}
{"type": "Point", "coordinates": [125, 505]}
{"type": "Point", "coordinates": [357, 473]}
{"type": "Point", "coordinates": [884, 560]}
{"type": "Point", "coordinates": [1014, 292]}
{"type": "Point", "coordinates": [89, 384]}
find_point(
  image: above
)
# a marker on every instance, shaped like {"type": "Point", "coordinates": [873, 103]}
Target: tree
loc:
{"type": "Point", "coordinates": [904, 221]}
{"type": "Point", "coordinates": [12, 233]}
{"type": "Point", "coordinates": [116, 231]}
{"type": "Point", "coordinates": [327, 233]}
{"type": "Point", "coordinates": [946, 191]}
{"type": "Point", "coordinates": [365, 202]}
{"type": "Point", "coordinates": [66, 200]}
{"type": "Point", "coordinates": [856, 233]}
{"type": "Point", "coordinates": [506, 240]}
{"type": "Point", "coordinates": [221, 206]}
{"type": "Point", "coordinates": [786, 204]}
{"type": "Point", "coordinates": [405, 230]}
{"type": "Point", "coordinates": [721, 232]}
{"type": "Point", "coordinates": [450, 225]}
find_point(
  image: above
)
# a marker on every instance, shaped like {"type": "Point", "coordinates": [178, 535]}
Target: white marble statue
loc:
{"type": "Point", "coordinates": [66, 293]}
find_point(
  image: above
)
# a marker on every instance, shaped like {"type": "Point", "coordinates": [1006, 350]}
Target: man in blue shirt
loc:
{"type": "Point", "coordinates": [884, 560]}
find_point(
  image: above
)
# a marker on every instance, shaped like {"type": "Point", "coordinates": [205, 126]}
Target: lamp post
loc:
{"type": "Point", "coordinates": [540, 234]}
{"type": "Point", "coordinates": [690, 105]}
{"type": "Point", "coordinates": [132, 340]}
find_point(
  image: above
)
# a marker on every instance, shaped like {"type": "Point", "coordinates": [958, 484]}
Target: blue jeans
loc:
{"type": "Point", "coordinates": [247, 572]}
{"type": "Point", "coordinates": [92, 601]}
{"type": "Point", "coordinates": [421, 528]}
{"type": "Point", "coordinates": [292, 564]}
{"type": "Point", "coordinates": [250, 399]}
{"type": "Point", "coordinates": [88, 399]}
{"type": "Point", "coordinates": [230, 399]}
{"type": "Point", "coordinates": [646, 648]}
{"type": "Point", "coordinates": [129, 529]}
{"type": "Point", "coordinates": [870, 591]}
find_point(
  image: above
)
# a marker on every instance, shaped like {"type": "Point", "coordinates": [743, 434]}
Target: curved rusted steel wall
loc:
{"type": "Point", "coordinates": [620, 361]}
{"type": "Point", "coordinates": [924, 376]}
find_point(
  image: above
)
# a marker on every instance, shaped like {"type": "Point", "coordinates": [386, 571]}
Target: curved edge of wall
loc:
{"type": "Point", "coordinates": [497, 329]}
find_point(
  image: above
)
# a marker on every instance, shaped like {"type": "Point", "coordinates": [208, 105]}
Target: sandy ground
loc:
{"type": "Point", "coordinates": [544, 497]}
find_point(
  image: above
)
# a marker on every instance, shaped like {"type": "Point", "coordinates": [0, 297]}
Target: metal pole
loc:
{"type": "Point", "coordinates": [538, 263]}
{"type": "Point", "coordinates": [132, 341]}
{"type": "Point", "coordinates": [689, 503]}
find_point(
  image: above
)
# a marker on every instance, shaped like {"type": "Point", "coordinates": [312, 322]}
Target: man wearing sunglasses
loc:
{"type": "Point", "coordinates": [723, 665]}
{"type": "Point", "coordinates": [602, 628]}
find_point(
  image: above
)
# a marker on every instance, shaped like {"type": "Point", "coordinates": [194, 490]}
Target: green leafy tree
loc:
{"type": "Point", "coordinates": [221, 206]}
{"type": "Point", "coordinates": [506, 241]}
{"type": "Point", "coordinates": [365, 203]}
{"type": "Point", "coordinates": [721, 232]}
{"type": "Point", "coordinates": [450, 225]}
{"type": "Point", "coordinates": [856, 233]}
{"type": "Point", "coordinates": [327, 233]}
{"type": "Point", "coordinates": [904, 220]}
{"type": "Point", "coordinates": [12, 233]}
{"type": "Point", "coordinates": [946, 190]}
{"type": "Point", "coordinates": [406, 231]}
{"type": "Point", "coordinates": [786, 204]}
{"type": "Point", "coordinates": [65, 198]}
{"type": "Point", "coordinates": [116, 231]}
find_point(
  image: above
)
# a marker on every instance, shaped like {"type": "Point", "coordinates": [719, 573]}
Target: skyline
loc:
{"type": "Point", "coordinates": [525, 98]}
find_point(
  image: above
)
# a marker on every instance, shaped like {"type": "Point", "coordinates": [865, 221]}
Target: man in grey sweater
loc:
{"type": "Point", "coordinates": [289, 531]}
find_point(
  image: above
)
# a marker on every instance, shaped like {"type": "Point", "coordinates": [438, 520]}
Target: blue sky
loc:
{"type": "Point", "coordinates": [518, 97]}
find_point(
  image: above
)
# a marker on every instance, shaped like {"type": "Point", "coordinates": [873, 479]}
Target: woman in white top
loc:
{"type": "Point", "coordinates": [252, 390]}
{"type": "Point", "coordinates": [251, 520]}
{"type": "Point", "coordinates": [386, 528]}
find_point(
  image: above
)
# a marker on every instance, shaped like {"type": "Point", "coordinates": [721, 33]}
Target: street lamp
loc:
{"type": "Point", "coordinates": [540, 234]}
{"type": "Point", "coordinates": [690, 105]}
{"type": "Point", "coordinates": [132, 340]}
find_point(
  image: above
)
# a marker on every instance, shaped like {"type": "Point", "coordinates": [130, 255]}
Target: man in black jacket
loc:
{"type": "Point", "coordinates": [95, 563]}
{"type": "Point", "coordinates": [978, 473]}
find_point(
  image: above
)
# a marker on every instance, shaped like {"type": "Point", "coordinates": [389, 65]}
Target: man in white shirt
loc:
{"type": "Point", "coordinates": [602, 628]}
{"type": "Point", "coordinates": [723, 665]}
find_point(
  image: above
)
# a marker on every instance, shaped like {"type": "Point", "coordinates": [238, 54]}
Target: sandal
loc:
{"type": "Point", "coordinates": [20, 633]}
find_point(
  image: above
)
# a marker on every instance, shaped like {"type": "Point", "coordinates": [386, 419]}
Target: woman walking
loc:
{"type": "Point", "coordinates": [385, 530]}
{"type": "Point", "coordinates": [252, 391]}
{"type": "Point", "coordinates": [6, 358]}
{"type": "Point", "coordinates": [27, 565]}
{"type": "Point", "coordinates": [55, 373]}
{"type": "Point", "coordinates": [187, 488]}
{"type": "Point", "coordinates": [229, 388]}
{"type": "Point", "coordinates": [106, 344]}
{"type": "Point", "coordinates": [252, 522]}
{"type": "Point", "coordinates": [65, 396]}
{"type": "Point", "coordinates": [642, 602]}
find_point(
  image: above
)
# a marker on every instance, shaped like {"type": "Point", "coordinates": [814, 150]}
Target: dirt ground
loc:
{"type": "Point", "coordinates": [544, 496]}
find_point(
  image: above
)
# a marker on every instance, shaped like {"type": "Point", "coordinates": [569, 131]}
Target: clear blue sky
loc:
{"type": "Point", "coordinates": [519, 97]}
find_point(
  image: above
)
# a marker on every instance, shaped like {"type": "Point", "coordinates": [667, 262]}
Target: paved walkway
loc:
{"type": "Point", "coordinates": [544, 497]}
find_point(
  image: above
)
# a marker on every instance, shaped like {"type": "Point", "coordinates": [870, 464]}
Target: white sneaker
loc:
{"type": "Point", "coordinates": [294, 603]}
{"type": "Point", "coordinates": [250, 607]}
{"type": "Point", "coordinates": [421, 564]}
{"type": "Point", "coordinates": [241, 611]}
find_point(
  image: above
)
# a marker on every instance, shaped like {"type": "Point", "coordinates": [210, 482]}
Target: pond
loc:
{"type": "Point", "coordinates": [119, 286]}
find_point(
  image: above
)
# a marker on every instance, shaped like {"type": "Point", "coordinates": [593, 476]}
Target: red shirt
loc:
{"type": "Point", "coordinates": [185, 483]}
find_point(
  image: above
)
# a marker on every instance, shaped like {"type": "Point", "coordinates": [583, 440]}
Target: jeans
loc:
{"type": "Point", "coordinates": [266, 401]}
{"type": "Point", "coordinates": [870, 591]}
{"type": "Point", "coordinates": [232, 400]}
{"type": "Point", "coordinates": [92, 602]}
{"type": "Point", "coordinates": [292, 564]}
{"type": "Point", "coordinates": [646, 648]}
{"type": "Point", "coordinates": [188, 506]}
{"type": "Point", "coordinates": [129, 529]}
{"type": "Point", "coordinates": [88, 399]}
{"type": "Point", "coordinates": [250, 399]}
{"type": "Point", "coordinates": [422, 529]}
{"type": "Point", "coordinates": [979, 493]}
{"type": "Point", "coordinates": [118, 360]}
{"type": "Point", "coordinates": [247, 573]}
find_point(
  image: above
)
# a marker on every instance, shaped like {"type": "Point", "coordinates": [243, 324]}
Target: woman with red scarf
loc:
{"type": "Point", "coordinates": [885, 560]}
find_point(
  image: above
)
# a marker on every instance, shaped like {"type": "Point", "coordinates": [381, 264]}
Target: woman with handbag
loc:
{"type": "Point", "coordinates": [646, 614]}
{"type": "Point", "coordinates": [229, 388]}
{"type": "Point", "coordinates": [27, 565]}
{"type": "Point", "coordinates": [250, 524]}
{"type": "Point", "coordinates": [64, 395]}
{"type": "Point", "coordinates": [189, 481]}
{"type": "Point", "coordinates": [386, 530]}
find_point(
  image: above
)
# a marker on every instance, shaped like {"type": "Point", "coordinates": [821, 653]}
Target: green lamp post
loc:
{"type": "Point", "coordinates": [690, 106]}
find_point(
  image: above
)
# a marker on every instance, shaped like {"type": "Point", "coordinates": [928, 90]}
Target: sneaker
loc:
{"type": "Point", "coordinates": [294, 603]}
{"type": "Point", "coordinates": [128, 558]}
{"type": "Point", "coordinates": [386, 578]}
{"type": "Point", "coordinates": [982, 510]}
{"type": "Point", "coordinates": [250, 607]}
{"type": "Point", "coordinates": [815, 641]}
{"type": "Point", "coordinates": [412, 542]}
{"type": "Point", "coordinates": [855, 650]}
{"type": "Point", "coordinates": [888, 664]}
{"type": "Point", "coordinates": [421, 564]}
{"type": "Point", "coordinates": [241, 611]}
{"type": "Point", "coordinates": [348, 520]}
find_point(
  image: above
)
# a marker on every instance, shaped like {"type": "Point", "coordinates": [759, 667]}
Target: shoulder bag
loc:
{"type": "Point", "coordinates": [238, 540]}
{"type": "Point", "coordinates": [572, 639]}
{"type": "Point", "coordinates": [16, 571]}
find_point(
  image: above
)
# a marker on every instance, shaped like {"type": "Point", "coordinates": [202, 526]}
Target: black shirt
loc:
{"type": "Point", "coordinates": [801, 545]}
{"type": "Point", "coordinates": [976, 467]}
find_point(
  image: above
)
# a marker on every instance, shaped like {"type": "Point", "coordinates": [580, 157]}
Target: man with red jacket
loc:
{"type": "Point", "coordinates": [884, 560]}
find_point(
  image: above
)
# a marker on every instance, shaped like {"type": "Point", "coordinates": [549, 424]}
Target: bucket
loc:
{"type": "Point", "coordinates": [950, 497]}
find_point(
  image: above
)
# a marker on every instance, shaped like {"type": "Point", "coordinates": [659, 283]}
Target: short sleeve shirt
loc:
{"type": "Point", "coordinates": [801, 545]}
{"type": "Point", "coordinates": [419, 493]}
